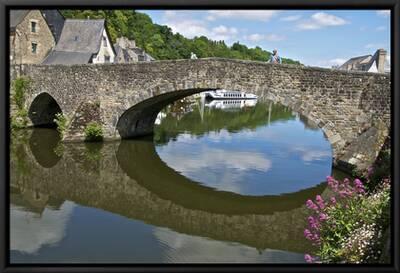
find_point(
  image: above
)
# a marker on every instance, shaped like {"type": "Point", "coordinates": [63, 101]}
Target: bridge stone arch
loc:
{"type": "Point", "coordinates": [352, 108]}
{"type": "Point", "coordinates": [43, 109]}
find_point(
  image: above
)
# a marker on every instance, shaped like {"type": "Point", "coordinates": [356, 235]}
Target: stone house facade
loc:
{"type": "Point", "coordinates": [127, 52]}
{"type": "Point", "coordinates": [33, 34]}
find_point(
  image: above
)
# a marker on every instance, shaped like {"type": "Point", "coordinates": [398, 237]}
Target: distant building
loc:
{"type": "Point", "coordinates": [127, 52]}
{"type": "Point", "coordinates": [371, 63]}
{"type": "Point", "coordinates": [82, 41]}
{"type": "Point", "coordinates": [33, 34]}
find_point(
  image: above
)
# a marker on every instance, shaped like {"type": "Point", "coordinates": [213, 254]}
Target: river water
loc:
{"type": "Point", "coordinates": [218, 182]}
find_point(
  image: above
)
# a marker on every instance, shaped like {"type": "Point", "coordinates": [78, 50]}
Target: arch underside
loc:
{"type": "Point", "coordinates": [43, 110]}
{"type": "Point", "coordinates": [139, 120]}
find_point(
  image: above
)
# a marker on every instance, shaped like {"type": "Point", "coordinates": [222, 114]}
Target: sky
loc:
{"type": "Point", "coordinates": [313, 37]}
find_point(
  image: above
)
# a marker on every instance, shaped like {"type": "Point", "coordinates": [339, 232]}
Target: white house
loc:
{"type": "Point", "coordinates": [82, 41]}
{"type": "Point", "coordinates": [370, 63]}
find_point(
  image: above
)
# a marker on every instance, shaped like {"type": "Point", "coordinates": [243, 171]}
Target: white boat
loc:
{"type": "Point", "coordinates": [229, 95]}
{"type": "Point", "coordinates": [231, 104]}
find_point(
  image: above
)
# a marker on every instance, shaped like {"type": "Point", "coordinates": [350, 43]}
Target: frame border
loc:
{"type": "Point", "coordinates": [5, 5]}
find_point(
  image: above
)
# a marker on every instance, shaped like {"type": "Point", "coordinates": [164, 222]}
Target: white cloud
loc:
{"type": "Point", "coordinates": [183, 248]}
{"type": "Point", "coordinates": [254, 15]}
{"type": "Point", "coordinates": [181, 22]}
{"type": "Point", "coordinates": [223, 33]}
{"type": "Point", "coordinates": [337, 61]}
{"type": "Point", "coordinates": [29, 232]}
{"type": "Point", "coordinates": [380, 28]}
{"type": "Point", "coordinates": [384, 13]}
{"type": "Point", "coordinates": [291, 18]}
{"type": "Point", "coordinates": [320, 20]}
{"type": "Point", "coordinates": [374, 46]}
{"type": "Point", "coordinates": [256, 37]}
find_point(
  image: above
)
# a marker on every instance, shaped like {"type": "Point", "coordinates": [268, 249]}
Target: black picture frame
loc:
{"type": "Point", "coordinates": [5, 5]}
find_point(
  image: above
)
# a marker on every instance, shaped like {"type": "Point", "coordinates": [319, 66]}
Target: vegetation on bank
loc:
{"type": "Point", "coordinates": [352, 225]}
{"type": "Point", "coordinates": [160, 42]}
{"type": "Point", "coordinates": [18, 88]}
{"type": "Point", "coordinates": [93, 132]}
{"type": "Point", "coordinates": [62, 123]}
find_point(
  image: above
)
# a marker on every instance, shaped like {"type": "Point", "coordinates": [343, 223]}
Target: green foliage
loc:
{"type": "Point", "coordinates": [20, 120]}
{"type": "Point", "coordinates": [59, 149]}
{"type": "Point", "coordinates": [93, 132]}
{"type": "Point", "coordinates": [160, 42]}
{"type": "Point", "coordinates": [19, 86]}
{"type": "Point", "coordinates": [61, 122]}
{"type": "Point", "coordinates": [354, 231]}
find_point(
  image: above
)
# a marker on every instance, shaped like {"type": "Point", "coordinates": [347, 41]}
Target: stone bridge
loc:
{"type": "Point", "coordinates": [353, 109]}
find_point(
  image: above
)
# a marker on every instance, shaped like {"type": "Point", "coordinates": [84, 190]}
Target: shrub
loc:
{"type": "Point", "coordinates": [93, 132]}
{"type": "Point", "coordinates": [61, 122]}
{"type": "Point", "coordinates": [19, 86]}
{"type": "Point", "coordinates": [20, 120]}
{"type": "Point", "coordinates": [349, 227]}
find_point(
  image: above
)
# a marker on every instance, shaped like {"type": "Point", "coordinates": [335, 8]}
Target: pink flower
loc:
{"type": "Point", "coordinates": [323, 217]}
{"type": "Point", "coordinates": [308, 258]}
{"type": "Point", "coordinates": [308, 234]}
{"type": "Point", "coordinates": [320, 201]}
{"type": "Point", "coordinates": [310, 204]}
{"type": "Point", "coordinates": [333, 200]}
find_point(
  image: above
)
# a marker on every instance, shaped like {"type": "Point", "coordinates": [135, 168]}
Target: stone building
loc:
{"type": "Point", "coordinates": [33, 34]}
{"type": "Point", "coordinates": [127, 52]}
{"type": "Point", "coordinates": [370, 63]}
{"type": "Point", "coordinates": [82, 41]}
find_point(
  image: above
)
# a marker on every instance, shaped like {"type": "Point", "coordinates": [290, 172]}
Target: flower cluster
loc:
{"type": "Point", "coordinates": [360, 247]}
{"type": "Point", "coordinates": [347, 226]}
{"type": "Point", "coordinates": [342, 190]}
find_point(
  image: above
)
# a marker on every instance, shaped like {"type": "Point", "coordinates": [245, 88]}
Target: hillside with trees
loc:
{"type": "Point", "coordinates": [160, 42]}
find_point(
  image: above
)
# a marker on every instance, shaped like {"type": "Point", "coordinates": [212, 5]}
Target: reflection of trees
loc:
{"type": "Point", "coordinates": [216, 120]}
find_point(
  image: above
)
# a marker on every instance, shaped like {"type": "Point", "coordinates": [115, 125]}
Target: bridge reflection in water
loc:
{"type": "Point", "coordinates": [119, 202]}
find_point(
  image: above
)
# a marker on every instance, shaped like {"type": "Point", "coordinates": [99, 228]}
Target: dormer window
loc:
{"type": "Point", "coordinates": [104, 41]}
{"type": "Point", "coordinates": [33, 27]}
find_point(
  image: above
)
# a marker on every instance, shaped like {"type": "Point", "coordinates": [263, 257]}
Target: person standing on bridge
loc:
{"type": "Point", "coordinates": [275, 58]}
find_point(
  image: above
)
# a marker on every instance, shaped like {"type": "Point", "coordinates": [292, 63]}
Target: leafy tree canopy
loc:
{"type": "Point", "coordinates": [160, 42]}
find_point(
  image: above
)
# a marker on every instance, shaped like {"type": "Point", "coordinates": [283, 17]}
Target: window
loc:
{"type": "Point", "coordinates": [34, 47]}
{"type": "Point", "coordinates": [104, 41]}
{"type": "Point", "coordinates": [106, 59]}
{"type": "Point", "coordinates": [76, 38]}
{"type": "Point", "coordinates": [33, 27]}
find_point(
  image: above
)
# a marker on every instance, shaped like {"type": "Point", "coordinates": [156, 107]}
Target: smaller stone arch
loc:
{"type": "Point", "coordinates": [43, 110]}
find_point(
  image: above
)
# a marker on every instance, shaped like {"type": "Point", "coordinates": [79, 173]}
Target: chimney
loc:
{"type": "Point", "coordinates": [380, 60]}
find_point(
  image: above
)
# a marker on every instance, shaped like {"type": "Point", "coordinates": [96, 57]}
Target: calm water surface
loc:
{"type": "Point", "coordinates": [219, 182]}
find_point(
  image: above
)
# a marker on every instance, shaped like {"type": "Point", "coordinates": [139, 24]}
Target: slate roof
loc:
{"type": "Point", "coordinates": [82, 36]}
{"type": "Point", "coordinates": [63, 57]}
{"type": "Point", "coordinates": [16, 17]}
{"type": "Point", "coordinates": [355, 60]}
{"type": "Point", "coordinates": [55, 21]}
{"type": "Point", "coordinates": [53, 18]}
